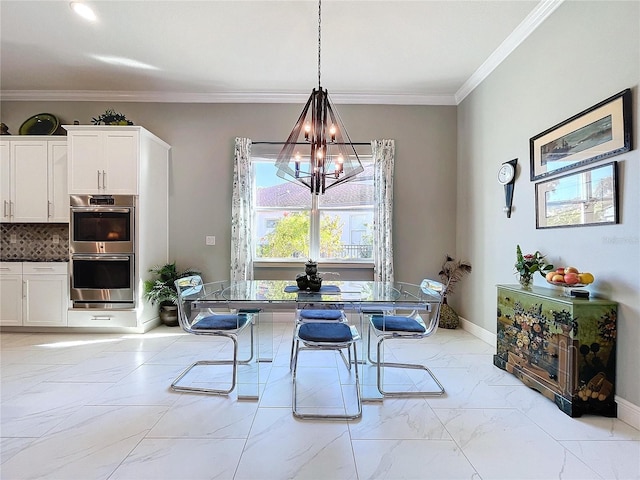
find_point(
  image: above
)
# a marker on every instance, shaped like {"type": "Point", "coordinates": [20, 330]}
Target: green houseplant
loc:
{"type": "Point", "coordinates": [161, 290]}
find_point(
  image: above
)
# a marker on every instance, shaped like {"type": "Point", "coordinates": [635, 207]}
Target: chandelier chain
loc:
{"type": "Point", "coordinates": [319, 39]}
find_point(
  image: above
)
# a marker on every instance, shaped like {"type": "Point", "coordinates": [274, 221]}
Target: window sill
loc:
{"type": "Point", "coordinates": [321, 265]}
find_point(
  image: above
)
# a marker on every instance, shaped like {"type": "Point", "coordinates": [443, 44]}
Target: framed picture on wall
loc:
{"type": "Point", "coordinates": [599, 132]}
{"type": "Point", "coordinates": [587, 197]}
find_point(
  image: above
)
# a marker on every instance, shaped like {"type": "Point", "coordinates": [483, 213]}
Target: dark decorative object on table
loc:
{"type": "Point", "coordinates": [310, 280]}
{"type": "Point", "coordinates": [451, 273]}
{"type": "Point", "coordinates": [4, 130]}
{"type": "Point", "coordinates": [111, 117]}
{"type": "Point", "coordinates": [162, 290]}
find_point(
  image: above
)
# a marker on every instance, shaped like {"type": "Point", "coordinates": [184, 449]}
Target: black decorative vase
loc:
{"type": "Point", "coordinates": [315, 283]}
{"type": "Point", "coordinates": [302, 281]}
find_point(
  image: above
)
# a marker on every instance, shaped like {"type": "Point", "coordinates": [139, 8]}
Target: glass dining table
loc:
{"type": "Point", "coordinates": [264, 297]}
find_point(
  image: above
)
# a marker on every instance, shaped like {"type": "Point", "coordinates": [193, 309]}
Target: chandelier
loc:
{"type": "Point", "coordinates": [331, 158]}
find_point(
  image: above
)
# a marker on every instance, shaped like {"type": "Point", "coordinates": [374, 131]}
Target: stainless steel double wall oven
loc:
{"type": "Point", "coordinates": [102, 248]}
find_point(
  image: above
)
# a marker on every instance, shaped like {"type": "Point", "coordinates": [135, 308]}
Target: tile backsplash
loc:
{"type": "Point", "coordinates": [34, 242]}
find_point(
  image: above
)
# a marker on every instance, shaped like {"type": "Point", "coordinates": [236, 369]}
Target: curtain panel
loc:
{"type": "Point", "coordinates": [383, 159]}
{"type": "Point", "coordinates": [242, 212]}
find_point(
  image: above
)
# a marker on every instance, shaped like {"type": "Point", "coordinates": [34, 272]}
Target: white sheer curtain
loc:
{"type": "Point", "coordinates": [242, 212]}
{"type": "Point", "coordinates": [383, 158]}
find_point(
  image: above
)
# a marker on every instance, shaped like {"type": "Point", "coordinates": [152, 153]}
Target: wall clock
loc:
{"type": "Point", "coordinates": [507, 178]}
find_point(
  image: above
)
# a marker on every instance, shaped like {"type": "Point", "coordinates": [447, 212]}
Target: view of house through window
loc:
{"type": "Point", "coordinates": [291, 223]}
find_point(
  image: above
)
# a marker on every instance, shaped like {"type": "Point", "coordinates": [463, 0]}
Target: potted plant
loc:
{"type": "Point", "coordinates": [451, 273]}
{"type": "Point", "coordinates": [161, 290]}
{"type": "Point", "coordinates": [111, 117]}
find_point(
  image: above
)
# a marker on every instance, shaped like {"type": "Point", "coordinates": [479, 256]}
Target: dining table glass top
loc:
{"type": "Point", "coordinates": [283, 294]}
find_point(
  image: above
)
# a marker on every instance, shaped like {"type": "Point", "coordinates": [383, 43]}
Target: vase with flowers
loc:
{"type": "Point", "coordinates": [528, 264]}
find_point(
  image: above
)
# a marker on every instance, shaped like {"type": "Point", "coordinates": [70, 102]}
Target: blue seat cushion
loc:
{"type": "Point", "coordinates": [221, 322]}
{"type": "Point", "coordinates": [326, 314]}
{"type": "Point", "coordinates": [325, 332]}
{"type": "Point", "coordinates": [395, 323]}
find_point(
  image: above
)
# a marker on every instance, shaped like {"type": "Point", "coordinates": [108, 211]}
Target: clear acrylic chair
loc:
{"type": "Point", "coordinates": [325, 329]}
{"type": "Point", "coordinates": [207, 322]}
{"type": "Point", "coordinates": [386, 326]}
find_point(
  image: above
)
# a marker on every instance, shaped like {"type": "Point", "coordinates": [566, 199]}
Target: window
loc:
{"type": "Point", "coordinates": [290, 223]}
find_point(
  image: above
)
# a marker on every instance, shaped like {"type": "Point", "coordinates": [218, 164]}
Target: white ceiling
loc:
{"type": "Point", "coordinates": [412, 52]}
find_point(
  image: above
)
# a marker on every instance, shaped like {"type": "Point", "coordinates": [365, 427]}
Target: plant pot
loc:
{"type": "Point", "coordinates": [169, 315]}
{"type": "Point", "coordinates": [448, 317]}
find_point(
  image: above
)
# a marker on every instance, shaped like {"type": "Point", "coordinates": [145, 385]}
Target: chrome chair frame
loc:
{"type": "Point", "coordinates": [339, 327]}
{"type": "Point", "coordinates": [190, 288]}
{"type": "Point", "coordinates": [433, 289]}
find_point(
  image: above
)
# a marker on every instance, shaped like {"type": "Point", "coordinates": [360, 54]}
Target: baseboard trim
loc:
{"type": "Point", "coordinates": [484, 335]}
{"type": "Point", "coordinates": [628, 412]}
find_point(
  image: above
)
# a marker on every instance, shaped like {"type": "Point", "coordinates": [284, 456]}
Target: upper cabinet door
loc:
{"type": "Point", "coordinates": [29, 181]}
{"type": "Point", "coordinates": [121, 153]}
{"type": "Point", "coordinates": [85, 162]}
{"type": "Point", "coordinates": [103, 161]}
{"type": "Point", "coordinates": [5, 182]}
{"type": "Point", "coordinates": [58, 191]}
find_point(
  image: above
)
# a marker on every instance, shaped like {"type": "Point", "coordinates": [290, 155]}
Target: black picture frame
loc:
{"type": "Point", "coordinates": [596, 133]}
{"type": "Point", "coordinates": [585, 198]}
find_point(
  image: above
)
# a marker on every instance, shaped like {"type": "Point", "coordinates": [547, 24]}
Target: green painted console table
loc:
{"type": "Point", "coordinates": [563, 347]}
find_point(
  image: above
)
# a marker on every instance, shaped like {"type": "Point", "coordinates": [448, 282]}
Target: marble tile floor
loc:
{"type": "Point", "coordinates": [81, 407]}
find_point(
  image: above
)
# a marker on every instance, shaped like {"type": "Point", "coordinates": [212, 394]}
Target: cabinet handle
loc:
{"type": "Point", "coordinates": [43, 268]}
{"type": "Point", "coordinates": [98, 179]}
{"type": "Point", "coordinates": [104, 180]}
{"type": "Point", "coordinates": [48, 209]}
{"type": "Point", "coordinates": [5, 209]}
{"type": "Point", "coordinates": [25, 289]}
{"type": "Point", "coordinates": [101, 317]}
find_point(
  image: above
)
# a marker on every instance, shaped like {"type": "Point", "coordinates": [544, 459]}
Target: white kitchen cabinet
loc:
{"type": "Point", "coordinates": [103, 160]}
{"type": "Point", "coordinates": [33, 188]}
{"type": "Point", "coordinates": [58, 203]}
{"type": "Point", "coordinates": [10, 293]}
{"type": "Point", "coordinates": [45, 294]}
{"type": "Point", "coordinates": [34, 294]}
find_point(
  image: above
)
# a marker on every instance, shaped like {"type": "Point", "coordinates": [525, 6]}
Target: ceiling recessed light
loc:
{"type": "Point", "coordinates": [84, 11]}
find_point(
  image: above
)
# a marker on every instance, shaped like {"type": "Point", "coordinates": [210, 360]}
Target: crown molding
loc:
{"type": "Point", "coordinates": [229, 97]}
{"type": "Point", "coordinates": [532, 21]}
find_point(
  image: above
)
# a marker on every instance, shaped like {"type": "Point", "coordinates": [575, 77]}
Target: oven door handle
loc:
{"type": "Point", "coordinates": [107, 258]}
{"type": "Point", "coordinates": [100, 210]}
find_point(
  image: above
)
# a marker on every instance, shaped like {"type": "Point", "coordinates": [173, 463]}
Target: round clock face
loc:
{"type": "Point", "coordinates": [506, 173]}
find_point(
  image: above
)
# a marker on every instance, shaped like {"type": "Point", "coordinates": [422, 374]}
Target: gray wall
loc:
{"type": "Point", "coordinates": [202, 140]}
{"type": "Point", "coordinates": [584, 53]}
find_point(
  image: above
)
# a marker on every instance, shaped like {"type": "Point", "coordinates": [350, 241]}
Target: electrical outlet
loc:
{"type": "Point", "coordinates": [210, 240]}
{"type": "Point", "coordinates": [55, 239]}
{"type": "Point", "coordinates": [13, 238]}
